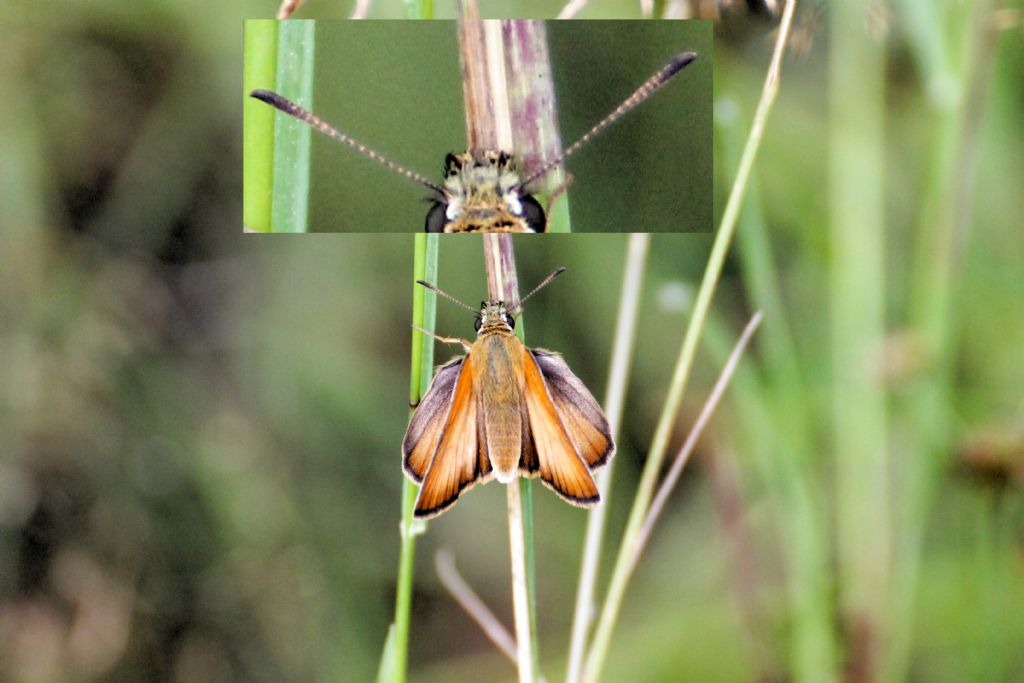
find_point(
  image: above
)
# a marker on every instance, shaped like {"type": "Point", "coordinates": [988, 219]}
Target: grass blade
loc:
{"type": "Point", "coordinates": [618, 377]}
{"type": "Point", "coordinates": [620, 576]}
{"type": "Point", "coordinates": [296, 43]}
{"type": "Point", "coordinates": [260, 51]}
{"type": "Point", "coordinates": [857, 296]}
{"type": "Point", "coordinates": [696, 431]}
{"type": "Point", "coordinates": [394, 666]}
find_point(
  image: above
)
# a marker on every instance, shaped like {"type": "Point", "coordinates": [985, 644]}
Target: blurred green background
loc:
{"type": "Point", "coordinates": [199, 431]}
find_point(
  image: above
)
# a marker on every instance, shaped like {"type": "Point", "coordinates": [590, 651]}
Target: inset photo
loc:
{"type": "Point", "coordinates": [488, 126]}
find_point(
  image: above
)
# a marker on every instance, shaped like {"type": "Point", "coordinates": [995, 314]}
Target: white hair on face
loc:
{"type": "Point", "coordinates": [514, 205]}
{"type": "Point", "coordinates": [454, 208]}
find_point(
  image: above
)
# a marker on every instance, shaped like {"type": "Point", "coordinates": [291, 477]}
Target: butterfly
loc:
{"type": "Point", "coordinates": [483, 190]}
{"type": "Point", "coordinates": [502, 411]}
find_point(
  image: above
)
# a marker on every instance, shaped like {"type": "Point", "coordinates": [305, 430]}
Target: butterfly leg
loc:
{"type": "Point", "coordinates": [445, 340]}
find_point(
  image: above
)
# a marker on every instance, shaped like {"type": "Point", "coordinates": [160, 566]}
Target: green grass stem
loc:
{"type": "Point", "coordinates": [394, 661]}
{"type": "Point", "coordinates": [295, 62]}
{"type": "Point", "coordinates": [857, 297]}
{"type": "Point", "coordinates": [956, 67]}
{"type": "Point", "coordinates": [622, 571]}
{"type": "Point", "coordinates": [779, 434]}
{"type": "Point", "coordinates": [418, 9]}
{"type": "Point", "coordinates": [618, 379]}
{"type": "Point", "coordinates": [260, 66]}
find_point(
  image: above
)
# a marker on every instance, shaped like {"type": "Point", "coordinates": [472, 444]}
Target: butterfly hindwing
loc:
{"type": "Point", "coordinates": [560, 465]}
{"type": "Point", "coordinates": [582, 417]}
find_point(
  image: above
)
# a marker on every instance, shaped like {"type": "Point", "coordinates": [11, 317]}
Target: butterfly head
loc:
{"type": "Point", "coordinates": [494, 316]}
{"type": "Point", "coordinates": [483, 193]}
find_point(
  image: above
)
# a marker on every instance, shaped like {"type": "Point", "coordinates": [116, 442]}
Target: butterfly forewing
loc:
{"type": "Point", "coordinates": [455, 465]}
{"type": "Point", "coordinates": [559, 463]}
{"type": "Point", "coordinates": [428, 421]}
{"type": "Point", "coordinates": [582, 417]}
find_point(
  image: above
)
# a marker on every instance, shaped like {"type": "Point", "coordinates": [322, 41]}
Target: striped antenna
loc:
{"type": "Point", "coordinates": [543, 283]}
{"type": "Point", "coordinates": [446, 295]}
{"type": "Point", "coordinates": [648, 88]}
{"type": "Point", "coordinates": [292, 109]}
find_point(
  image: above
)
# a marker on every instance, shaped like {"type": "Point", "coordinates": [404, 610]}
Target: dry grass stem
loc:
{"type": "Point", "coordinates": [672, 478]}
{"type": "Point", "coordinates": [618, 376]}
{"type": "Point", "coordinates": [444, 562]}
{"type": "Point", "coordinates": [361, 10]}
{"type": "Point", "coordinates": [571, 9]}
{"type": "Point", "coordinates": [502, 62]}
{"type": "Point", "coordinates": [520, 594]}
{"type": "Point", "coordinates": [502, 285]}
{"type": "Point", "coordinates": [620, 575]}
{"type": "Point", "coordinates": [287, 8]}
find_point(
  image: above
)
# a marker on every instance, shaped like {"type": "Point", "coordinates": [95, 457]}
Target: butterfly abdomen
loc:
{"type": "Point", "coordinates": [495, 381]}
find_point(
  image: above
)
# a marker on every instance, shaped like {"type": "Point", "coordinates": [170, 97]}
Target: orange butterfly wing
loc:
{"type": "Point", "coordinates": [427, 424]}
{"type": "Point", "coordinates": [553, 453]}
{"type": "Point", "coordinates": [458, 462]}
{"type": "Point", "coordinates": [582, 417]}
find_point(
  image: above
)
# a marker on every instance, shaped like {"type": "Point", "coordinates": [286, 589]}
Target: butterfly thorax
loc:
{"type": "Point", "coordinates": [483, 194]}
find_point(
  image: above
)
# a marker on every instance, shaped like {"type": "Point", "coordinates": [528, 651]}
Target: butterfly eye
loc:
{"type": "Point", "coordinates": [452, 165]}
{"type": "Point", "coordinates": [533, 212]}
{"type": "Point", "coordinates": [436, 218]}
{"type": "Point", "coordinates": [477, 323]}
{"type": "Point", "coordinates": [511, 321]}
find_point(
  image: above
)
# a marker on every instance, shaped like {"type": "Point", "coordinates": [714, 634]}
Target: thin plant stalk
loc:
{"type": "Point", "coordinates": [287, 8]}
{"type": "Point", "coordinates": [706, 412]}
{"type": "Point", "coordinates": [520, 591]}
{"type": "Point", "coordinates": [571, 9]}
{"type": "Point", "coordinates": [503, 285]}
{"type": "Point", "coordinates": [503, 66]}
{"type": "Point", "coordinates": [618, 377]}
{"type": "Point", "coordinates": [620, 574]}
{"type": "Point", "coordinates": [260, 54]}
{"type": "Point", "coordinates": [508, 88]}
{"type": "Point", "coordinates": [780, 418]}
{"type": "Point", "coordinates": [754, 393]}
{"type": "Point", "coordinates": [395, 659]}
{"type": "Point", "coordinates": [360, 10]}
{"type": "Point", "coordinates": [292, 143]}
{"type": "Point", "coordinates": [492, 627]}
{"type": "Point", "coordinates": [857, 317]}
{"type": "Point", "coordinates": [418, 9]}
{"type": "Point", "coordinates": [956, 99]}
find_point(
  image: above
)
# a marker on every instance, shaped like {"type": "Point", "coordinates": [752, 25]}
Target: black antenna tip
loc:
{"type": "Point", "coordinates": [424, 283]}
{"type": "Point", "coordinates": [268, 96]}
{"type": "Point", "coordinates": [558, 271]}
{"type": "Point", "coordinates": [679, 62]}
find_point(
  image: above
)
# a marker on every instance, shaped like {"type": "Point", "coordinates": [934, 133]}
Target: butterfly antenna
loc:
{"type": "Point", "coordinates": [648, 88]}
{"type": "Point", "coordinates": [292, 109]}
{"type": "Point", "coordinates": [446, 295]}
{"type": "Point", "coordinates": [543, 283]}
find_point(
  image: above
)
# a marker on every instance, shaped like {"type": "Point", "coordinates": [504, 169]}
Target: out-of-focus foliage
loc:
{"type": "Point", "coordinates": [199, 431]}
